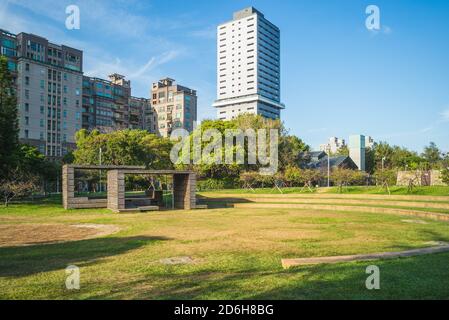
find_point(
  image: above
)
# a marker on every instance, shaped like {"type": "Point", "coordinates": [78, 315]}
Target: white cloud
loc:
{"type": "Point", "coordinates": [208, 33]}
{"type": "Point", "coordinates": [387, 30]}
{"type": "Point", "coordinates": [445, 115]}
{"type": "Point", "coordinates": [106, 19]}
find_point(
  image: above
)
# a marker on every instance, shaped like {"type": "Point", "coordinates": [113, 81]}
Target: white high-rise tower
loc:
{"type": "Point", "coordinates": [248, 66]}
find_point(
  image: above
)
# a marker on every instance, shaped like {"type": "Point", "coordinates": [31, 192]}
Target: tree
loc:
{"type": "Point", "coordinates": [432, 155]}
{"type": "Point", "coordinates": [395, 157]}
{"type": "Point", "coordinates": [123, 147]}
{"type": "Point", "coordinates": [445, 176]}
{"type": "Point", "coordinates": [370, 164]}
{"type": "Point", "coordinates": [17, 184]}
{"type": "Point", "coordinates": [290, 147]}
{"type": "Point", "coordinates": [9, 125]}
{"type": "Point", "coordinates": [292, 175]}
{"type": "Point", "coordinates": [342, 177]}
{"type": "Point", "coordinates": [309, 178]}
{"type": "Point", "coordinates": [342, 151]}
{"type": "Point", "coordinates": [386, 178]}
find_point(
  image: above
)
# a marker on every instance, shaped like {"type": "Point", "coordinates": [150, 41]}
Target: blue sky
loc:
{"type": "Point", "coordinates": [338, 78]}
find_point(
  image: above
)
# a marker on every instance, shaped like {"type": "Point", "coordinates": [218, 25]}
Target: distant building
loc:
{"type": "Point", "coordinates": [319, 160]}
{"type": "Point", "coordinates": [357, 150]}
{"type": "Point", "coordinates": [369, 142]}
{"type": "Point", "coordinates": [48, 78]}
{"type": "Point", "coordinates": [334, 144]}
{"type": "Point", "coordinates": [175, 107]}
{"type": "Point", "coordinates": [248, 66]}
{"type": "Point", "coordinates": [108, 105]}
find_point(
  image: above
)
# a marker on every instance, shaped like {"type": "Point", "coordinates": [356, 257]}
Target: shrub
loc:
{"type": "Point", "coordinates": [343, 177]}
{"type": "Point", "coordinates": [217, 184]}
{"type": "Point", "coordinates": [445, 176]}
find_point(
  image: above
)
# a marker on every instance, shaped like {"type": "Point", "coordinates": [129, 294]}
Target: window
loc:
{"type": "Point", "coordinates": [27, 107]}
{"type": "Point", "coordinates": [42, 109]}
{"type": "Point", "coordinates": [42, 123]}
{"type": "Point", "coordinates": [26, 134]}
{"type": "Point", "coordinates": [27, 67]}
{"type": "Point", "coordinates": [27, 120]}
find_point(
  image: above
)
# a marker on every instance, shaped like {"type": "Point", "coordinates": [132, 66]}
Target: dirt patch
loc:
{"type": "Point", "coordinates": [34, 234]}
{"type": "Point", "coordinates": [414, 221]}
{"type": "Point", "coordinates": [177, 260]}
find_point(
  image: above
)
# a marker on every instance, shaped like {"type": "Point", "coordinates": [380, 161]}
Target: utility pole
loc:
{"type": "Point", "coordinates": [100, 155]}
{"type": "Point", "coordinates": [328, 147]}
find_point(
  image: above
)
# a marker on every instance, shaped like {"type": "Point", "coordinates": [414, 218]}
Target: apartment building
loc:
{"type": "Point", "coordinates": [108, 105]}
{"type": "Point", "coordinates": [175, 106]}
{"type": "Point", "coordinates": [8, 48]}
{"type": "Point", "coordinates": [48, 79]}
{"type": "Point", "coordinates": [248, 66]}
{"type": "Point", "coordinates": [334, 145]}
{"type": "Point", "coordinates": [141, 114]}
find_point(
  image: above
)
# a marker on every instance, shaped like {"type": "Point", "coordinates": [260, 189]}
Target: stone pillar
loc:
{"type": "Point", "coordinates": [184, 191]}
{"type": "Point", "coordinates": [116, 190]}
{"type": "Point", "coordinates": [190, 198]}
{"type": "Point", "coordinates": [68, 186]}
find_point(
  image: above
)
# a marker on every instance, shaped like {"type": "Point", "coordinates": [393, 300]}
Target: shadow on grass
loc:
{"type": "Point", "coordinates": [22, 261]}
{"type": "Point", "coordinates": [409, 278]}
{"type": "Point", "coordinates": [217, 203]}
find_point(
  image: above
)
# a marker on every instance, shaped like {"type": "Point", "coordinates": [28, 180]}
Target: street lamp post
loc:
{"type": "Point", "coordinates": [328, 147]}
{"type": "Point", "coordinates": [100, 160]}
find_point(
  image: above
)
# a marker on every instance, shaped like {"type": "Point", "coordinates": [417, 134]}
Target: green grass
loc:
{"type": "Point", "coordinates": [395, 190]}
{"type": "Point", "coordinates": [237, 255]}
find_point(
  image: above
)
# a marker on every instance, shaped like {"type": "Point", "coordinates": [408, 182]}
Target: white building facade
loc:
{"type": "Point", "coordinates": [248, 67]}
{"type": "Point", "coordinates": [334, 145]}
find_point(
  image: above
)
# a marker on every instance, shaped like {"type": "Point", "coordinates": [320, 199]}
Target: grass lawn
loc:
{"type": "Point", "coordinates": [236, 254]}
{"type": "Point", "coordinates": [395, 190]}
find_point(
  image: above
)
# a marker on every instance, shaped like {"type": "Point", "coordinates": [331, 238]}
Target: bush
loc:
{"type": "Point", "coordinates": [445, 176]}
{"type": "Point", "coordinates": [292, 176]}
{"type": "Point", "coordinates": [344, 177]}
{"type": "Point", "coordinates": [387, 177]}
{"type": "Point", "coordinates": [217, 184]}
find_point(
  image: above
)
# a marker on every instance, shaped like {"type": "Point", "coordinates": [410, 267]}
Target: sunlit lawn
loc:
{"type": "Point", "coordinates": [395, 190]}
{"type": "Point", "coordinates": [236, 255]}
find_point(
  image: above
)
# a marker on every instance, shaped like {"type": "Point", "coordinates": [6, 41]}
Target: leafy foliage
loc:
{"type": "Point", "coordinates": [17, 184]}
{"type": "Point", "coordinates": [9, 125]}
{"type": "Point", "coordinates": [343, 177]}
{"type": "Point", "coordinates": [445, 175]}
{"type": "Point", "coordinates": [124, 147]}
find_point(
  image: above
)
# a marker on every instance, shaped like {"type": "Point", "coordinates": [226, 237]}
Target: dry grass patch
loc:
{"type": "Point", "coordinates": [34, 234]}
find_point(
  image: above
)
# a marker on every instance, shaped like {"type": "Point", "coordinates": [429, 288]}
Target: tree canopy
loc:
{"type": "Point", "coordinates": [123, 147]}
{"type": "Point", "coordinates": [9, 124]}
